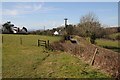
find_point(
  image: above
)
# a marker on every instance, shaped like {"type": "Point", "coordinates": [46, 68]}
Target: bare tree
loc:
{"type": "Point", "coordinates": [90, 17]}
{"type": "Point", "coordinates": [89, 24]}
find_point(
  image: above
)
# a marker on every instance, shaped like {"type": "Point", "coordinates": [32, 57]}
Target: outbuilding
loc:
{"type": "Point", "coordinates": [56, 33]}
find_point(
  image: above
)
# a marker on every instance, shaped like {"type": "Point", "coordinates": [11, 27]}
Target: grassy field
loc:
{"type": "Point", "coordinates": [30, 61]}
{"type": "Point", "coordinates": [109, 44]}
{"type": "Point", "coordinates": [104, 42]}
{"type": "Point", "coordinates": [113, 36]}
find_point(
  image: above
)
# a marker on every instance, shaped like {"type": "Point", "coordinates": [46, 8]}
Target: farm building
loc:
{"type": "Point", "coordinates": [56, 33]}
{"type": "Point", "coordinates": [10, 28]}
{"type": "Point", "coordinates": [15, 29]}
{"type": "Point", "coordinates": [18, 30]}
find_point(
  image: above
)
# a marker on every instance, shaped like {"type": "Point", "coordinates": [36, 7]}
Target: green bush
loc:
{"type": "Point", "coordinates": [92, 38]}
{"type": "Point", "coordinates": [117, 37]}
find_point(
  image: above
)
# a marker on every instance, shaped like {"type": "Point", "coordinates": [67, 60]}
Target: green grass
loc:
{"type": "Point", "coordinates": [66, 66]}
{"type": "Point", "coordinates": [113, 36]}
{"type": "Point", "coordinates": [103, 42]}
{"type": "Point", "coordinates": [27, 40]}
{"type": "Point", "coordinates": [109, 44]}
{"type": "Point", "coordinates": [30, 61]}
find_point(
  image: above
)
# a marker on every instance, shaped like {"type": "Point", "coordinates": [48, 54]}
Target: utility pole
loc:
{"type": "Point", "coordinates": [44, 28]}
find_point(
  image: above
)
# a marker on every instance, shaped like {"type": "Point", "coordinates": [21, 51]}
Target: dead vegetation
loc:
{"type": "Point", "coordinates": [105, 60]}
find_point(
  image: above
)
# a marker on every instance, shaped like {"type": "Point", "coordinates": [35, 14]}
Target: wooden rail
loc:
{"type": "Point", "coordinates": [43, 43]}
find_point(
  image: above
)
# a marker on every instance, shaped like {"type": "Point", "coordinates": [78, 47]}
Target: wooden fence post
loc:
{"type": "Point", "coordinates": [45, 44]}
{"type": "Point", "coordinates": [48, 43]}
{"type": "Point", "coordinates": [20, 40]}
{"type": "Point", "coordinates": [92, 61]}
{"type": "Point", "coordinates": [2, 39]}
{"type": "Point", "coordinates": [38, 42]}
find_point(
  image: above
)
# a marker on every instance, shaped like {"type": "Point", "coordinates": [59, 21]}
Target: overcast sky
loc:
{"type": "Point", "coordinates": [36, 15]}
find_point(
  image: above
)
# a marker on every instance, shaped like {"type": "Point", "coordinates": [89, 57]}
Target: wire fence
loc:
{"type": "Point", "coordinates": [25, 41]}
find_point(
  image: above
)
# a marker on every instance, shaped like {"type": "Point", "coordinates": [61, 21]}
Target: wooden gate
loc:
{"type": "Point", "coordinates": [43, 43]}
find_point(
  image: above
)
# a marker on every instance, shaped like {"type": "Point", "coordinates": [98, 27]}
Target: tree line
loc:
{"type": "Point", "coordinates": [9, 28]}
{"type": "Point", "coordinates": [89, 26]}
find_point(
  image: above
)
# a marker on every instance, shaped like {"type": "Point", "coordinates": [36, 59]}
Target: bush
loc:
{"type": "Point", "coordinates": [117, 37]}
{"type": "Point", "coordinates": [92, 38]}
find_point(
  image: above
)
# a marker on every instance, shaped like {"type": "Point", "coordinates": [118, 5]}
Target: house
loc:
{"type": "Point", "coordinates": [56, 33]}
{"type": "Point", "coordinates": [10, 28]}
{"type": "Point", "coordinates": [18, 30]}
{"type": "Point", "coordinates": [15, 29]}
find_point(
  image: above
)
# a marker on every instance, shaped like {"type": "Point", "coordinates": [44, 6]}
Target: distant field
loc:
{"type": "Point", "coordinates": [104, 42]}
{"type": "Point", "coordinates": [109, 44]}
{"type": "Point", "coordinates": [113, 36]}
{"type": "Point", "coordinates": [27, 40]}
{"type": "Point", "coordinates": [30, 61]}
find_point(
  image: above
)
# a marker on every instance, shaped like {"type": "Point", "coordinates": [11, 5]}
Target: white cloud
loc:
{"type": "Point", "coordinates": [37, 7]}
{"type": "Point", "coordinates": [20, 6]}
{"type": "Point", "coordinates": [26, 9]}
{"type": "Point", "coordinates": [21, 10]}
{"type": "Point", "coordinates": [10, 12]}
{"type": "Point", "coordinates": [29, 7]}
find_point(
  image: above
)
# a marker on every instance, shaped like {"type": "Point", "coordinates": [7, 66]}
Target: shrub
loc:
{"type": "Point", "coordinates": [118, 37]}
{"type": "Point", "coordinates": [92, 38]}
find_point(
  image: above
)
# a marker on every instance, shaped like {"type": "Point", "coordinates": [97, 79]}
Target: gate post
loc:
{"type": "Point", "coordinates": [48, 43]}
{"type": "Point", "coordinates": [38, 42]}
{"type": "Point", "coordinates": [20, 40]}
